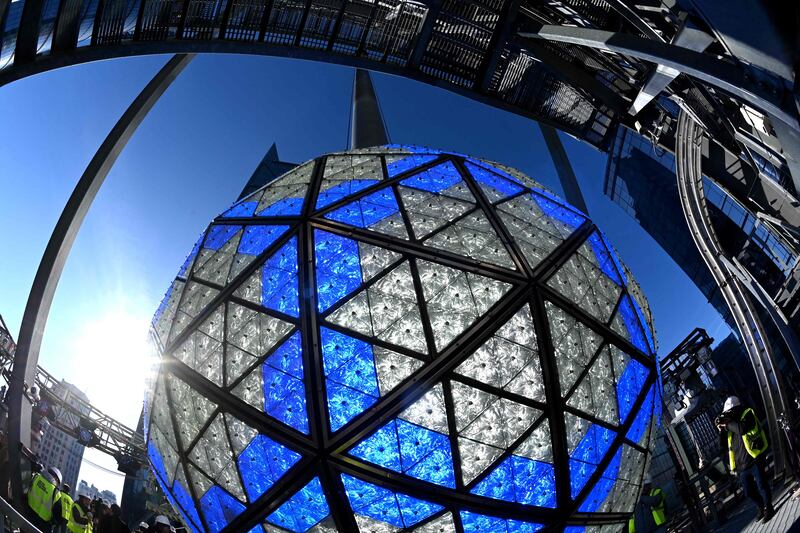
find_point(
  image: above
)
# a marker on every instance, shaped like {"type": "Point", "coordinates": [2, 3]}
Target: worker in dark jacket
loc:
{"type": "Point", "coordinates": [112, 522]}
{"type": "Point", "coordinates": [650, 515]}
{"type": "Point", "coordinates": [744, 442]}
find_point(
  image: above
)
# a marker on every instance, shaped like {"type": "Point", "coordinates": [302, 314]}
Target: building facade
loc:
{"type": "Point", "coordinates": [58, 448]}
{"type": "Point", "coordinates": [640, 178]}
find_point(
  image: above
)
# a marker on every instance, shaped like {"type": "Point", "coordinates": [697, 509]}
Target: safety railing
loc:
{"type": "Point", "coordinates": [13, 521]}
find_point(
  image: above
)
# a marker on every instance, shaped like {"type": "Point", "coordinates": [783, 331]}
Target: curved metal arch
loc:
{"type": "Point", "coordinates": [37, 308]}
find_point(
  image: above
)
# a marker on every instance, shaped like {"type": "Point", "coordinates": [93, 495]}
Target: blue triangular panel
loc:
{"type": "Point", "coordinates": [156, 461]}
{"type": "Point", "coordinates": [522, 480]}
{"type": "Point", "coordinates": [285, 207]}
{"type": "Point", "coordinates": [186, 505]}
{"type": "Point", "coordinates": [594, 444]}
{"type": "Point", "coordinates": [502, 187]}
{"type": "Point", "coordinates": [288, 357]}
{"type": "Point", "coordinates": [416, 442]}
{"type": "Point", "coordinates": [603, 487]}
{"type": "Point", "coordinates": [345, 403]}
{"type": "Point", "coordinates": [635, 327]}
{"type": "Point", "coordinates": [587, 455]}
{"type": "Point", "coordinates": [478, 523]}
{"type": "Point", "coordinates": [285, 398]}
{"type": "Point", "coordinates": [407, 163]}
{"type": "Point", "coordinates": [436, 179]}
{"type": "Point", "coordinates": [342, 190]}
{"type": "Point", "coordinates": [306, 508]}
{"type": "Point", "coordinates": [437, 467]}
{"type": "Point", "coordinates": [606, 258]}
{"type": "Point", "coordinates": [338, 348]}
{"type": "Point", "coordinates": [381, 448]}
{"type": "Point", "coordinates": [534, 482]}
{"type": "Point", "coordinates": [218, 235]}
{"type": "Point", "coordinates": [219, 508]}
{"type": "Point", "coordinates": [241, 209]}
{"type": "Point", "coordinates": [367, 211]}
{"type": "Point", "coordinates": [384, 505]}
{"type": "Point", "coordinates": [279, 287]}
{"type": "Point", "coordinates": [559, 211]}
{"type": "Point", "coordinates": [411, 449]}
{"type": "Point", "coordinates": [256, 239]}
{"type": "Point", "coordinates": [499, 484]}
{"type": "Point", "coordinates": [629, 385]}
{"type": "Point", "coordinates": [643, 418]}
{"type": "Point", "coordinates": [338, 267]}
{"type": "Point", "coordinates": [358, 373]}
{"type": "Point", "coordinates": [262, 463]}
{"type": "Point", "coordinates": [579, 474]}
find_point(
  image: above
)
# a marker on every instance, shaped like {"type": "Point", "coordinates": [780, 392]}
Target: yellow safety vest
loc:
{"type": "Point", "coordinates": [75, 527]}
{"type": "Point", "coordinates": [41, 497]}
{"type": "Point", "coordinates": [755, 440]}
{"type": "Point", "coordinates": [66, 506]}
{"type": "Point", "coordinates": [659, 511]}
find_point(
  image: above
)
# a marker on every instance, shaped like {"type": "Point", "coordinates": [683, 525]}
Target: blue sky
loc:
{"type": "Point", "coordinates": [189, 160]}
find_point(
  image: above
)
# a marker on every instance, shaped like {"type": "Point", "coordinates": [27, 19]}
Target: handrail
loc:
{"type": "Point", "coordinates": [16, 518]}
{"type": "Point", "coordinates": [692, 196]}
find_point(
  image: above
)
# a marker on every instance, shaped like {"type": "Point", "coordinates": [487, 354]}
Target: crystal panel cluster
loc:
{"type": "Point", "coordinates": [402, 339]}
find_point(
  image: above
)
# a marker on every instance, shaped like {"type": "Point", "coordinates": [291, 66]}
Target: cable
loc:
{"type": "Point", "coordinates": [103, 468]}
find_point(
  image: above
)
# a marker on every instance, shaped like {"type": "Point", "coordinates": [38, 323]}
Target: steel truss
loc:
{"type": "Point", "coordinates": [325, 453]}
{"type": "Point", "coordinates": [114, 438]}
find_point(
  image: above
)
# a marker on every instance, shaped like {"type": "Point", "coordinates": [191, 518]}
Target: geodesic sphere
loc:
{"type": "Point", "coordinates": [400, 338]}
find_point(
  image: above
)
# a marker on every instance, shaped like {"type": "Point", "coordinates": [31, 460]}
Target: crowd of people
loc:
{"type": "Point", "coordinates": [52, 510]}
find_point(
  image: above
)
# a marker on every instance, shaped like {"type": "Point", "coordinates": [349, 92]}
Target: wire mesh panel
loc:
{"type": "Point", "coordinates": [202, 19]}
{"type": "Point", "coordinates": [284, 21]}
{"type": "Point", "coordinates": [244, 22]}
{"type": "Point", "coordinates": [460, 39]}
{"type": "Point", "coordinates": [320, 23]}
{"type": "Point", "coordinates": [352, 30]}
{"type": "Point", "coordinates": [395, 24]}
{"type": "Point", "coordinates": [158, 19]}
{"type": "Point", "coordinates": [116, 21]}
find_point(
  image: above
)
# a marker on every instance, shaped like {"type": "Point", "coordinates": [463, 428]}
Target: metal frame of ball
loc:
{"type": "Point", "coordinates": [325, 454]}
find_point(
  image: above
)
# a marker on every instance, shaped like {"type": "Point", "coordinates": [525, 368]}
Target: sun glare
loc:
{"type": "Point", "coordinates": [115, 359]}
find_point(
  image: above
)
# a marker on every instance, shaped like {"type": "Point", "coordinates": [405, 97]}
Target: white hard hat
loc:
{"type": "Point", "coordinates": [83, 493]}
{"type": "Point", "coordinates": [56, 473]}
{"type": "Point", "coordinates": [143, 525]}
{"type": "Point", "coordinates": [161, 519]}
{"type": "Point", "coordinates": [648, 479]}
{"type": "Point", "coordinates": [730, 403]}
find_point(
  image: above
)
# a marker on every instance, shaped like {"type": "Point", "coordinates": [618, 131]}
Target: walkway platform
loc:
{"type": "Point", "coordinates": [786, 519]}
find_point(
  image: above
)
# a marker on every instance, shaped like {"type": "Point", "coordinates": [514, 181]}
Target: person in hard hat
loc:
{"type": "Point", "coordinates": [80, 520]}
{"type": "Point", "coordinates": [44, 500]}
{"type": "Point", "coordinates": [162, 525]}
{"type": "Point", "coordinates": [66, 507]}
{"type": "Point", "coordinates": [650, 515]}
{"type": "Point", "coordinates": [745, 440]}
